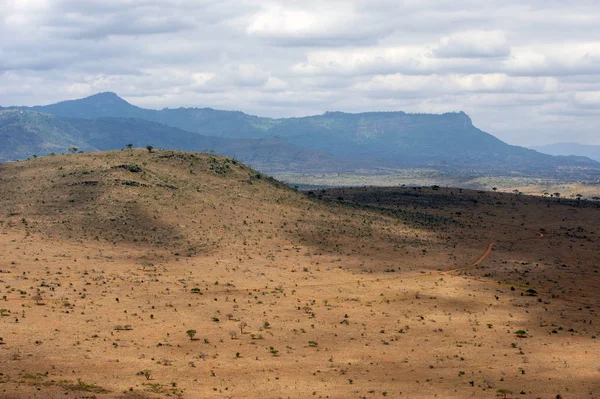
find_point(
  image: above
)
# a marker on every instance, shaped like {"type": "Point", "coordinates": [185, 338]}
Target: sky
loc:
{"type": "Point", "coordinates": [527, 72]}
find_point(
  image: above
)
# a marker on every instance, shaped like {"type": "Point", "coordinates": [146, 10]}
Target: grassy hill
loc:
{"type": "Point", "coordinates": [119, 197]}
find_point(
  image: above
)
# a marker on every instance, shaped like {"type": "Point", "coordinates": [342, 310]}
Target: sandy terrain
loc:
{"type": "Point", "coordinates": [354, 293]}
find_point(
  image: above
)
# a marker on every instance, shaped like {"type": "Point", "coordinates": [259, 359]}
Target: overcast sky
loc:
{"type": "Point", "coordinates": [525, 71]}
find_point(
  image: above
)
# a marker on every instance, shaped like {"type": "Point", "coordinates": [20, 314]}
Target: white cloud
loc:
{"type": "Point", "coordinates": [336, 23]}
{"type": "Point", "coordinates": [461, 84]}
{"type": "Point", "coordinates": [557, 59]}
{"type": "Point", "coordinates": [473, 44]}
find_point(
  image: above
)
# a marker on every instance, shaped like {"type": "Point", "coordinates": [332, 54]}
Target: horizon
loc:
{"type": "Point", "coordinates": [525, 72]}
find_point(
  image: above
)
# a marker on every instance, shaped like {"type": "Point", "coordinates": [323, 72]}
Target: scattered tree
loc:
{"type": "Point", "coordinates": [147, 373]}
{"type": "Point", "coordinates": [521, 333]}
{"type": "Point", "coordinates": [191, 334]}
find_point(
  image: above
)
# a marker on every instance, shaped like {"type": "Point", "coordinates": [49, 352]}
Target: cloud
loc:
{"type": "Point", "coordinates": [560, 59]}
{"type": "Point", "coordinates": [526, 71]}
{"type": "Point", "coordinates": [426, 85]}
{"type": "Point", "coordinates": [322, 25]}
{"type": "Point", "coordinates": [473, 44]}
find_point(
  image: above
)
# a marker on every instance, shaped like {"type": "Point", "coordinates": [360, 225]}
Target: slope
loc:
{"type": "Point", "coordinates": [129, 274]}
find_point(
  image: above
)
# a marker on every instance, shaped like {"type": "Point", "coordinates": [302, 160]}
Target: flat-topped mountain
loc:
{"type": "Point", "coordinates": [447, 142]}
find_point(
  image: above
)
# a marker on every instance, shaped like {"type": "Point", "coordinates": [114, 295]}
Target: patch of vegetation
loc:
{"type": "Point", "coordinates": [78, 386]}
{"type": "Point", "coordinates": [163, 390]}
{"type": "Point", "coordinates": [126, 327]}
{"type": "Point", "coordinates": [133, 183]}
{"type": "Point", "coordinates": [132, 168]}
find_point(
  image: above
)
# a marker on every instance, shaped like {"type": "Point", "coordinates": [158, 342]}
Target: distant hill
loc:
{"type": "Point", "coordinates": [583, 150]}
{"type": "Point", "coordinates": [447, 142]}
{"type": "Point", "coordinates": [24, 133]}
{"type": "Point", "coordinates": [207, 121]}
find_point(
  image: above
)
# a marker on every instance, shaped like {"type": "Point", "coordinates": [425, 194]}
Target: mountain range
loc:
{"type": "Point", "coordinates": [332, 142]}
{"type": "Point", "coordinates": [583, 150]}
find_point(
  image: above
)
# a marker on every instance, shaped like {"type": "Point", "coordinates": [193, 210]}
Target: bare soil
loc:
{"type": "Point", "coordinates": [108, 260]}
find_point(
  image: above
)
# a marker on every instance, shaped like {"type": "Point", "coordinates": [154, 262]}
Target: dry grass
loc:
{"type": "Point", "coordinates": [343, 296]}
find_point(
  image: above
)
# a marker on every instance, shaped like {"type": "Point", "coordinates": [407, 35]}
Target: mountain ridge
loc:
{"type": "Point", "coordinates": [26, 133]}
{"type": "Point", "coordinates": [577, 149]}
{"type": "Point", "coordinates": [446, 141]}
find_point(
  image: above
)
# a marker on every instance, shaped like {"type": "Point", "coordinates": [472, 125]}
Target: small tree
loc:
{"type": "Point", "coordinates": [149, 148]}
{"type": "Point", "coordinates": [242, 325]}
{"type": "Point", "coordinates": [147, 373]}
{"type": "Point", "coordinates": [73, 150]}
{"type": "Point", "coordinates": [191, 334]}
{"type": "Point", "coordinates": [521, 333]}
{"type": "Point", "coordinates": [129, 146]}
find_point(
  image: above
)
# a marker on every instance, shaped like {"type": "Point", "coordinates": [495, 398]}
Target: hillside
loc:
{"type": "Point", "coordinates": [129, 274]}
{"type": "Point", "coordinates": [446, 142]}
{"type": "Point", "coordinates": [26, 133]}
{"type": "Point", "coordinates": [582, 150]}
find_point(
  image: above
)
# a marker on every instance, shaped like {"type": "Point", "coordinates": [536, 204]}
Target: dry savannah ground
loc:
{"type": "Point", "coordinates": [130, 274]}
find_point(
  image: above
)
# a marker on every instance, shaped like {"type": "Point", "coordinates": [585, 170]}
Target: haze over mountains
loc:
{"type": "Point", "coordinates": [590, 151]}
{"type": "Point", "coordinates": [332, 142]}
